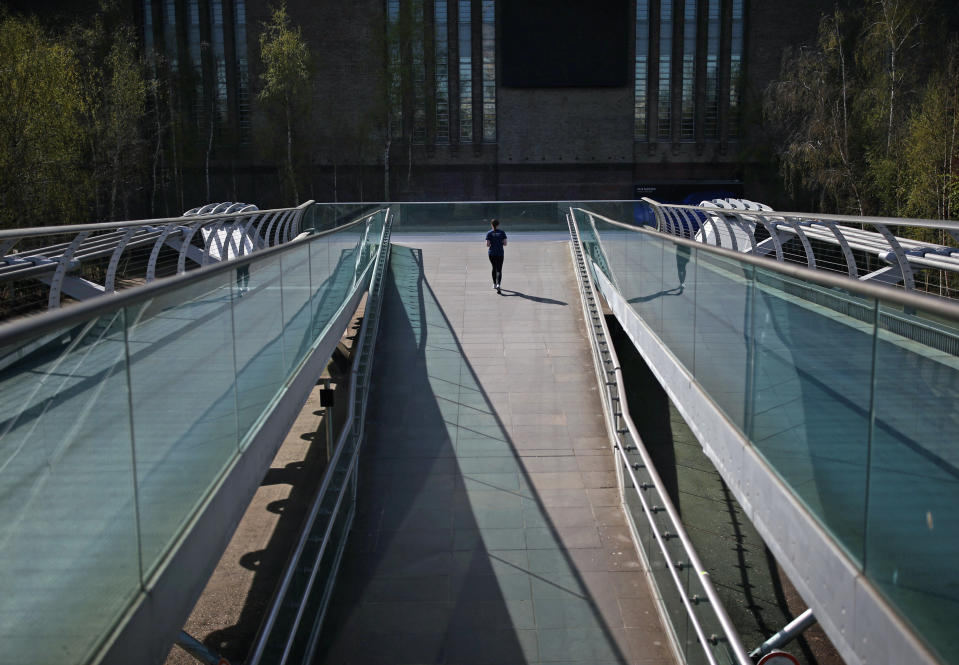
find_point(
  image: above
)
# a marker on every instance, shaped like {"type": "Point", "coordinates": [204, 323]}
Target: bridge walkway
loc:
{"type": "Point", "coordinates": [489, 526]}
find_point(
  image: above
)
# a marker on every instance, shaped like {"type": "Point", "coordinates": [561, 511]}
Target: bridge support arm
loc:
{"type": "Point", "coordinates": [193, 253]}
{"type": "Point", "coordinates": [889, 275]}
{"type": "Point", "coordinates": [75, 287]}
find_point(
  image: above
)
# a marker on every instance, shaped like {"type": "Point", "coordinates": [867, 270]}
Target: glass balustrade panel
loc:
{"type": "Point", "coordinates": [912, 528]}
{"type": "Point", "coordinates": [182, 390]}
{"type": "Point", "coordinates": [67, 491]}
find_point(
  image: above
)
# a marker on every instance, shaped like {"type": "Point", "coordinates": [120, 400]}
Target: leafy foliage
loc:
{"type": "Point", "coordinates": [930, 183]}
{"type": "Point", "coordinates": [115, 92]}
{"type": "Point", "coordinates": [42, 111]}
{"type": "Point", "coordinates": [71, 113]}
{"type": "Point", "coordinates": [287, 85]}
{"type": "Point", "coordinates": [863, 120]}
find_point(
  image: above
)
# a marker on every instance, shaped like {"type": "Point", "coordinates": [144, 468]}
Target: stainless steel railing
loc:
{"type": "Point", "coordinates": [868, 249]}
{"type": "Point", "coordinates": [87, 260]}
{"type": "Point", "coordinates": [287, 634]}
{"type": "Point", "coordinates": [622, 430]}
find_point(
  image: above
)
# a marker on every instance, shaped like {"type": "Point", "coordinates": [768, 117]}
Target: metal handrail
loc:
{"type": "Point", "coordinates": [221, 232]}
{"type": "Point", "coordinates": [901, 259]}
{"type": "Point", "coordinates": [32, 231]}
{"type": "Point", "coordinates": [855, 219]}
{"type": "Point", "coordinates": [703, 575]}
{"type": "Point", "coordinates": [368, 332]}
{"type": "Point", "coordinates": [910, 299]}
{"type": "Point", "coordinates": [375, 271]}
{"type": "Point", "coordinates": [14, 331]}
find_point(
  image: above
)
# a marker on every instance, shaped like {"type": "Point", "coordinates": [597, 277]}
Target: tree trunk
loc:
{"type": "Point", "coordinates": [177, 181]}
{"type": "Point", "coordinates": [950, 182]}
{"type": "Point", "coordinates": [386, 169]}
{"type": "Point", "coordinates": [845, 120]}
{"type": "Point", "coordinates": [156, 150]}
{"type": "Point", "coordinates": [892, 96]}
{"type": "Point", "coordinates": [289, 152]}
{"type": "Point", "coordinates": [209, 149]}
{"type": "Point", "coordinates": [115, 166]}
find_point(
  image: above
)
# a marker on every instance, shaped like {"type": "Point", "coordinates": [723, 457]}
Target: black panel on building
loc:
{"type": "Point", "coordinates": [565, 43]}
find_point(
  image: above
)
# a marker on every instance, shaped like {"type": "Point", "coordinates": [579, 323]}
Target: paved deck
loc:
{"type": "Point", "coordinates": [488, 527]}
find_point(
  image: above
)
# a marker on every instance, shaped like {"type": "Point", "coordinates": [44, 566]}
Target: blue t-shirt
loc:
{"type": "Point", "coordinates": [496, 238]}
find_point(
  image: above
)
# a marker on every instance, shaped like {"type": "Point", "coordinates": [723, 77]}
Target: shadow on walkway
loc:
{"type": "Point", "coordinates": [509, 293]}
{"type": "Point", "coordinates": [453, 557]}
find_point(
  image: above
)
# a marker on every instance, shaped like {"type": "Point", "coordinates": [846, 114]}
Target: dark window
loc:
{"type": "Point", "coordinates": [466, 72]}
{"type": "Point", "coordinates": [242, 71]}
{"type": "Point", "coordinates": [489, 71]}
{"type": "Point", "coordinates": [664, 130]}
{"type": "Point", "coordinates": [711, 115]}
{"type": "Point", "coordinates": [564, 43]}
{"type": "Point", "coordinates": [440, 18]}
{"type": "Point", "coordinates": [218, 103]}
{"type": "Point", "coordinates": [688, 128]}
{"type": "Point", "coordinates": [640, 112]}
{"type": "Point", "coordinates": [736, 68]}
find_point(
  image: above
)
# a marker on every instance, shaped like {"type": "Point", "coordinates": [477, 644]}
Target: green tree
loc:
{"type": "Point", "coordinates": [116, 91]}
{"type": "Point", "coordinates": [42, 179]}
{"type": "Point", "coordinates": [287, 84]}
{"type": "Point", "coordinates": [930, 187]}
{"type": "Point", "coordinates": [840, 112]}
{"type": "Point", "coordinates": [930, 183]}
{"type": "Point", "coordinates": [891, 62]}
{"type": "Point", "coordinates": [809, 110]}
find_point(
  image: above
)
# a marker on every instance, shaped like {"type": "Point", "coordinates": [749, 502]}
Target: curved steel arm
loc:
{"type": "Point", "coordinates": [211, 238]}
{"type": "Point", "coordinates": [908, 280]}
{"type": "Point", "coordinates": [62, 265]}
{"type": "Point", "coordinates": [807, 248]}
{"type": "Point", "coordinates": [846, 249]}
{"type": "Point", "coordinates": [772, 226]}
{"type": "Point", "coordinates": [115, 259]}
{"type": "Point", "coordinates": [749, 228]}
{"type": "Point", "coordinates": [6, 246]}
{"type": "Point", "coordinates": [184, 248]}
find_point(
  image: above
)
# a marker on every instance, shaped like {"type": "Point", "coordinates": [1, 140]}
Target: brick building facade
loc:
{"type": "Point", "coordinates": [493, 99]}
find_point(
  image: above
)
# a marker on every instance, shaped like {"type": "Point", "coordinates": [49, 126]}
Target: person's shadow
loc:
{"type": "Point", "coordinates": [682, 259]}
{"type": "Point", "coordinates": [519, 294]}
{"type": "Point", "coordinates": [677, 291]}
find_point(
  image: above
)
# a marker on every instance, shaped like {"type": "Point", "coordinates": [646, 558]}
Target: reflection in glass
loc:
{"type": "Point", "coordinates": [912, 529]}
{"type": "Point", "coordinates": [67, 502]}
{"type": "Point", "coordinates": [184, 431]}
